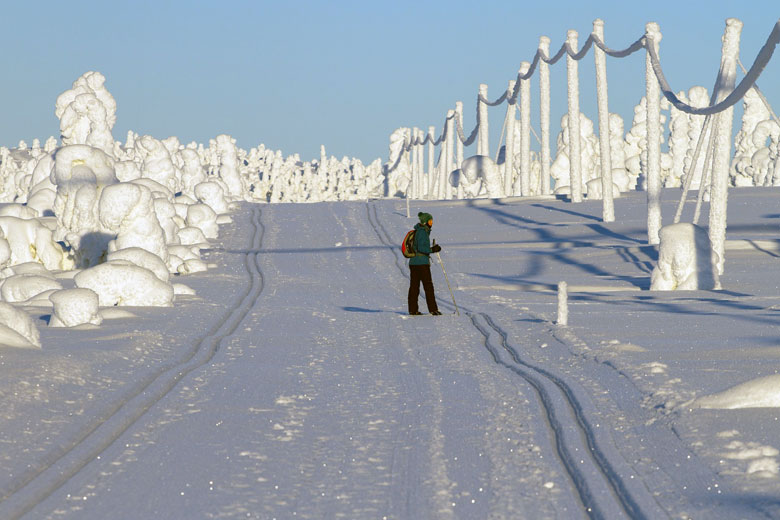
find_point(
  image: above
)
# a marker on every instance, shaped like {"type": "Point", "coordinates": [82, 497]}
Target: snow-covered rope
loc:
{"type": "Point", "coordinates": [763, 57]}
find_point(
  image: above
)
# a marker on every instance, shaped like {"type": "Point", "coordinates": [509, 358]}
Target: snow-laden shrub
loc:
{"type": "Point", "coordinates": [122, 283]}
{"type": "Point", "coordinates": [17, 328]}
{"type": "Point", "coordinates": [5, 253]}
{"type": "Point", "coordinates": [192, 171]}
{"type": "Point", "coordinates": [31, 241]}
{"type": "Point", "coordinates": [18, 211]}
{"type": "Point", "coordinates": [23, 287]}
{"type": "Point", "coordinates": [127, 210]}
{"type": "Point", "coordinates": [157, 162]}
{"type": "Point", "coordinates": [685, 260]}
{"type": "Point", "coordinates": [74, 307]}
{"type": "Point", "coordinates": [166, 214]}
{"type": "Point", "coordinates": [142, 258]}
{"type": "Point", "coordinates": [212, 194]}
{"type": "Point", "coordinates": [485, 168]}
{"type": "Point", "coordinates": [87, 113]}
{"type": "Point", "coordinates": [228, 166]}
{"type": "Point", "coordinates": [189, 236]}
{"type": "Point", "coordinates": [80, 175]}
{"type": "Point", "coordinates": [192, 266]}
{"type": "Point", "coordinates": [204, 218]}
{"type": "Point", "coordinates": [127, 171]}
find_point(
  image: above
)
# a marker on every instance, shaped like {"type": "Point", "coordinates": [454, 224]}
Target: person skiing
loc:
{"type": "Point", "coordinates": [420, 266]}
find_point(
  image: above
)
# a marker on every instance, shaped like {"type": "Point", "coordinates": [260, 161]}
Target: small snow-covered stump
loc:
{"type": "Point", "coordinates": [118, 282]}
{"type": "Point", "coordinates": [17, 328]}
{"type": "Point", "coordinates": [685, 260]}
{"type": "Point", "coordinates": [563, 303]}
{"type": "Point", "coordinates": [74, 307]}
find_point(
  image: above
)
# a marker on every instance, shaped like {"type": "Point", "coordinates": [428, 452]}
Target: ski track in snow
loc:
{"type": "Point", "coordinates": [29, 490]}
{"type": "Point", "coordinates": [601, 491]}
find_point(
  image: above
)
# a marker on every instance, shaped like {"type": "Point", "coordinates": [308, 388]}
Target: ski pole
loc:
{"type": "Point", "coordinates": [448, 283]}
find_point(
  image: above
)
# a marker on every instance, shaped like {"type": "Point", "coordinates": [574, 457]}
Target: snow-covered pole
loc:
{"type": "Point", "coordinates": [573, 84]}
{"type": "Point", "coordinates": [431, 162]}
{"type": "Point", "coordinates": [412, 191]}
{"type": "Point", "coordinates": [483, 139]}
{"type": "Point", "coordinates": [459, 146]}
{"type": "Point", "coordinates": [421, 165]}
{"type": "Point", "coordinates": [450, 148]}
{"type": "Point", "coordinates": [410, 186]}
{"type": "Point", "coordinates": [607, 204]}
{"type": "Point", "coordinates": [509, 157]}
{"type": "Point", "coordinates": [653, 92]}
{"type": "Point", "coordinates": [722, 153]}
{"type": "Point", "coordinates": [563, 303]}
{"type": "Point", "coordinates": [544, 113]}
{"type": "Point", "coordinates": [525, 132]}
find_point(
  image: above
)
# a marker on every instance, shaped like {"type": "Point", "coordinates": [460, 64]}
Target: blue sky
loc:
{"type": "Point", "coordinates": [297, 74]}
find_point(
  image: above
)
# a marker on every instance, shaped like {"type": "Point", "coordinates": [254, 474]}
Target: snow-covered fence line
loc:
{"type": "Point", "coordinates": [534, 176]}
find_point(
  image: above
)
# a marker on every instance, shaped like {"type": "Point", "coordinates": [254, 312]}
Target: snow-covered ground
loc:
{"type": "Point", "coordinates": [293, 385]}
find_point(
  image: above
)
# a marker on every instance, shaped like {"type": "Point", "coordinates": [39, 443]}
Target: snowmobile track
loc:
{"type": "Point", "coordinates": [44, 479]}
{"type": "Point", "coordinates": [580, 447]}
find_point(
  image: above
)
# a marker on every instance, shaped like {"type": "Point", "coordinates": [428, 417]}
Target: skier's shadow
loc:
{"type": "Point", "coordinates": [370, 311]}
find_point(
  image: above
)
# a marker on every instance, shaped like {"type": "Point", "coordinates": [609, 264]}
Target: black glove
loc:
{"type": "Point", "coordinates": [436, 248]}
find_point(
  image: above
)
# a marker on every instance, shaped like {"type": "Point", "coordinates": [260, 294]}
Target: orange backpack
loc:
{"type": "Point", "coordinates": [407, 246]}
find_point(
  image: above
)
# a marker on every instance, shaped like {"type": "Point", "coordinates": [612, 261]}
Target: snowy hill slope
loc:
{"type": "Point", "coordinates": [293, 385]}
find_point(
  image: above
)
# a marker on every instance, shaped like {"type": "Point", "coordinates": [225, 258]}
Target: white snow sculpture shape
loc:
{"type": "Point", "coordinates": [17, 328]}
{"type": "Point", "coordinates": [204, 218]}
{"type": "Point", "coordinates": [122, 283]}
{"type": "Point", "coordinates": [742, 171]}
{"type": "Point", "coordinates": [142, 258]}
{"type": "Point", "coordinates": [73, 307]}
{"type": "Point", "coordinates": [31, 241]}
{"type": "Point", "coordinates": [636, 142]}
{"type": "Point", "coordinates": [589, 155]}
{"type": "Point", "coordinates": [192, 171]}
{"type": "Point", "coordinates": [228, 166]}
{"type": "Point", "coordinates": [157, 163]}
{"type": "Point", "coordinates": [87, 113]}
{"type": "Point", "coordinates": [485, 168]}
{"type": "Point", "coordinates": [127, 210]}
{"type": "Point", "coordinates": [211, 193]}
{"type": "Point", "coordinates": [685, 260]}
{"type": "Point", "coordinates": [398, 179]}
{"type": "Point", "coordinates": [617, 148]}
{"type": "Point", "coordinates": [23, 287]}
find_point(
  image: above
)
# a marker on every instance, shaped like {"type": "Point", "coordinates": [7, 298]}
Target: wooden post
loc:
{"type": "Point", "coordinates": [483, 138]}
{"type": "Point", "coordinates": [450, 148]}
{"type": "Point", "coordinates": [509, 157]}
{"type": "Point", "coordinates": [575, 158]}
{"type": "Point", "coordinates": [431, 162]}
{"type": "Point", "coordinates": [607, 204]}
{"type": "Point", "coordinates": [544, 114]}
{"type": "Point", "coordinates": [653, 92]}
{"type": "Point", "coordinates": [722, 153]}
{"type": "Point", "coordinates": [459, 146]}
{"type": "Point", "coordinates": [525, 133]}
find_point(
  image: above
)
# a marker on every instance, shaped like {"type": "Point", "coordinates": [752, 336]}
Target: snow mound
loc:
{"type": "Point", "coordinates": [22, 287]}
{"type": "Point", "coordinates": [142, 258]}
{"type": "Point", "coordinates": [763, 392]}
{"type": "Point", "coordinates": [122, 283]}
{"type": "Point", "coordinates": [31, 241]}
{"type": "Point", "coordinates": [17, 328]}
{"type": "Point", "coordinates": [74, 307]}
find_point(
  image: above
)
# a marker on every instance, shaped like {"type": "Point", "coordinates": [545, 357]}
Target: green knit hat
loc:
{"type": "Point", "coordinates": [424, 217]}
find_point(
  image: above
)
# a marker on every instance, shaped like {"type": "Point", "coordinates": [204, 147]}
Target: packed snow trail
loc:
{"type": "Point", "coordinates": [323, 403]}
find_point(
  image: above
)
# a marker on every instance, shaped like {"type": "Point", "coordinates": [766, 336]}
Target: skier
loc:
{"type": "Point", "coordinates": [420, 266]}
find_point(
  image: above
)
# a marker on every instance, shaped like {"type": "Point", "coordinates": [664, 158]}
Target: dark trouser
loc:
{"type": "Point", "coordinates": [421, 273]}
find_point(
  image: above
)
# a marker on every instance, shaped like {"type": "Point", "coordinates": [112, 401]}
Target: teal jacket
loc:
{"type": "Point", "coordinates": [422, 245]}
